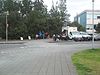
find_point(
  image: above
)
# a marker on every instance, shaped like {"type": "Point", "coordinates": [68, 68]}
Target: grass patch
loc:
{"type": "Point", "coordinates": [87, 62]}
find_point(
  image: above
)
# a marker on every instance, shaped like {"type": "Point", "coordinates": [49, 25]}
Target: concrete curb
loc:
{"type": "Point", "coordinates": [13, 42]}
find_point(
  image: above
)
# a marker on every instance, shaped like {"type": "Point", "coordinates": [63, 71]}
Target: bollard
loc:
{"type": "Point", "coordinates": [21, 38]}
{"type": "Point", "coordinates": [29, 37]}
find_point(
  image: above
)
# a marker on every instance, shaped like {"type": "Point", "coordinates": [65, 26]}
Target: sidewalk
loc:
{"type": "Point", "coordinates": [12, 41]}
{"type": "Point", "coordinates": [11, 44]}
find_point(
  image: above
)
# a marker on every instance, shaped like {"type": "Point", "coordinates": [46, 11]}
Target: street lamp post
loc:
{"type": "Point", "coordinates": [7, 13]}
{"type": "Point", "coordinates": [93, 24]}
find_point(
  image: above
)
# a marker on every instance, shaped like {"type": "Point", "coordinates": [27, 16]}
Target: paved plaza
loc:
{"type": "Point", "coordinates": [40, 57]}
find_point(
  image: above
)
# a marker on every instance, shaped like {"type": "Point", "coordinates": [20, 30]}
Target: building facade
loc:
{"type": "Point", "coordinates": [85, 19]}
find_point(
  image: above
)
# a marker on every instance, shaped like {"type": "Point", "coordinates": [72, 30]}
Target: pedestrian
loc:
{"type": "Point", "coordinates": [46, 34]}
{"type": "Point", "coordinates": [36, 36]}
{"type": "Point", "coordinates": [54, 37]}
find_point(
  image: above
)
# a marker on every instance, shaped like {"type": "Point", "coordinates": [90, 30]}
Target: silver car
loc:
{"type": "Point", "coordinates": [75, 36]}
{"type": "Point", "coordinates": [97, 37]}
{"type": "Point", "coordinates": [85, 36]}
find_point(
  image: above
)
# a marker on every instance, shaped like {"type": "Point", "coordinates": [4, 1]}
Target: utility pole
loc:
{"type": "Point", "coordinates": [93, 24]}
{"type": "Point", "coordinates": [7, 13]}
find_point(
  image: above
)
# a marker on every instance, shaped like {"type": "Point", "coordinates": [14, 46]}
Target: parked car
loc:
{"type": "Point", "coordinates": [75, 36]}
{"type": "Point", "coordinates": [85, 36]}
{"type": "Point", "coordinates": [97, 37]}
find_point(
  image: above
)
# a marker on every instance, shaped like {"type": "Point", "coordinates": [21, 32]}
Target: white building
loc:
{"type": "Point", "coordinates": [85, 19]}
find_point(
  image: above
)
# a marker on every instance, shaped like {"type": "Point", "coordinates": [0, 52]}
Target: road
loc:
{"type": "Point", "coordinates": [40, 57]}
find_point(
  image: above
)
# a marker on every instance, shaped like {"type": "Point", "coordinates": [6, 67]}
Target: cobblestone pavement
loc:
{"type": "Point", "coordinates": [38, 57]}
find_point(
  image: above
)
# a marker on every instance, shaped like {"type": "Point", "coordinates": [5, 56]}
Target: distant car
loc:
{"type": "Point", "coordinates": [97, 37]}
{"type": "Point", "coordinates": [85, 36]}
{"type": "Point", "coordinates": [75, 36]}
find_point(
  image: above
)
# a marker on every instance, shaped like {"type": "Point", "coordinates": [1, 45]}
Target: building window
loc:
{"type": "Point", "coordinates": [95, 26]}
{"type": "Point", "coordinates": [87, 28]}
{"type": "Point", "coordinates": [98, 17]}
{"type": "Point", "coordinates": [89, 16]}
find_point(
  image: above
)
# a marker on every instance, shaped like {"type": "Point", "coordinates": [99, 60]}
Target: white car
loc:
{"type": "Point", "coordinates": [75, 36]}
{"type": "Point", "coordinates": [85, 36]}
{"type": "Point", "coordinates": [97, 37]}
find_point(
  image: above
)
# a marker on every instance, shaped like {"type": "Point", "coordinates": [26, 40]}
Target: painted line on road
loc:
{"type": "Point", "coordinates": [33, 47]}
{"type": "Point", "coordinates": [22, 47]}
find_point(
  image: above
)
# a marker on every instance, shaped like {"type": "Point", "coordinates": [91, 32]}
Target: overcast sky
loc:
{"type": "Point", "coordinates": [76, 6]}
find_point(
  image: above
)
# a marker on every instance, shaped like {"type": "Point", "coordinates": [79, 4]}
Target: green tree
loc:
{"type": "Point", "coordinates": [10, 5]}
{"type": "Point", "coordinates": [2, 25]}
{"type": "Point", "coordinates": [63, 12]}
{"type": "Point", "coordinates": [55, 22]}
{"type": "Point", "coordinates": [15, 19]}
{"type": "Point", "coordinates": [27, 17]}
{"type": "Point", "coordinates": [17, 27]}
{"type": "Point", "coordinates": [1, 6]}
{"type": "Point", "coordinates": [26, 7]}
{"type": "Point", "coordinates": [37, 18]}
{"type": "Point", "coordinates": [76, 24]}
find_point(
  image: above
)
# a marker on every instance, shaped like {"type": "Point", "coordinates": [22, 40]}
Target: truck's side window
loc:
{"type": "Point", "coordinates": [71, 33]}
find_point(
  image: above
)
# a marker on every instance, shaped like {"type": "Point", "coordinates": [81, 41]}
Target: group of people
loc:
{"type": "Point", "coordinates": [62, 36]}
{"type": "Point", "coordinates": [42, 35]}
